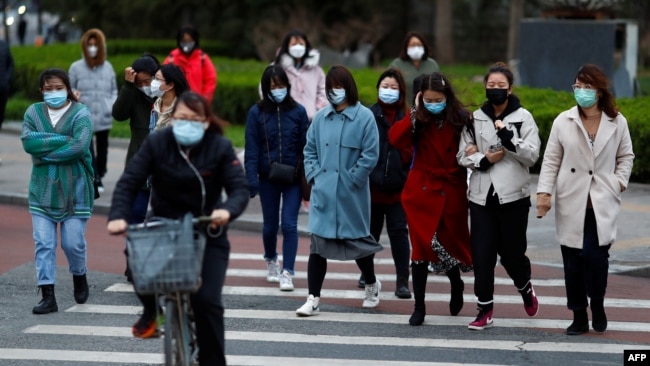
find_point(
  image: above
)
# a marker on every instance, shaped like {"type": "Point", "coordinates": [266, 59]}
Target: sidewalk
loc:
{"type": "Point", "coordinates": [629, 255]}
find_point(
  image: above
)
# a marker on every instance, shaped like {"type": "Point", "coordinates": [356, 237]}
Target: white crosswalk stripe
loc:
{"type": "Point", "coordinates": [346, 332]}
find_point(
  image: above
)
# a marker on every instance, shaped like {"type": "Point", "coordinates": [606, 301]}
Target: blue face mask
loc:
{"type": "Point", "coordinates": [585, 97]}
{"type": "Point", "coordinates": [336, 96]}
{"type": "Point", "coordinates": [56, 98]}
{"type": "Point", "coordinates": [435, 108]}
{"type": "Point", "coordinates": [278, 95]}
{"type": "Point", "coordinates": [388, 96]}
{"type": "Point", "coordinates": [186, 132]}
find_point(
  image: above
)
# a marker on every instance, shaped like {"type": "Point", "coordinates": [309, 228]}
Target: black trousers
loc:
{"type": "Point", "coordinates": [499, 230]}
{"type": "Point", "coordinates": [586, 269]}
{"type": "Point", "coordinates": [100, 150]}
{"type": "Point", "coordinates": [207, 304]}
{"type": "Point", "coordinates": [398, 233]}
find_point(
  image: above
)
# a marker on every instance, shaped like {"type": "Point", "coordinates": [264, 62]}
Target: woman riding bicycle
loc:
{"type": "Point", "coordinates": [189, 165]}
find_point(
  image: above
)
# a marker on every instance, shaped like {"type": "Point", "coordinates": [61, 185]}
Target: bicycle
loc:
{"type": "Point", "coordinates": [166, 257]}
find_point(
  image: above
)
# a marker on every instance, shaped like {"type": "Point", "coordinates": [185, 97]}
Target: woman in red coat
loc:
{"type": "Point", "coordinates": [434, 196]}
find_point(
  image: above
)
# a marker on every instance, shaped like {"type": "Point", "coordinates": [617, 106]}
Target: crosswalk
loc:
{"type": "Point", "coordinates": [262, 328]}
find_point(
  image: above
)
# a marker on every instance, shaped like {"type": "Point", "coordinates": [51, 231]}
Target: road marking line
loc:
{"type": "Point", "coordinates": [151, 358]}
{"type": "Point", "coordinates": [389, 296]}
{"type": "Point", "coordinates": [80, 356]}
{"type": "Point", "coordinates": [501, 345]}
{"type": "Point", "coordinates": [371, 318]}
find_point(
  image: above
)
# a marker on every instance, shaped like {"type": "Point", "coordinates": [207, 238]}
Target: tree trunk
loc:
{"type": "Point", "coordinates": [444, 37]}
{"type": "Point", "coordinates": [516, 13]}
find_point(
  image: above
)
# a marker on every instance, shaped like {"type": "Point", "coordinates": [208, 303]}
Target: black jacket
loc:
{"type": "Point", "coordinates": [390, 172]}
{"type": "Point", "coordinates": [176, 189]}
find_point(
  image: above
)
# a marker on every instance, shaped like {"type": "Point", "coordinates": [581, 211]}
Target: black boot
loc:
{"type": "Point", "coordinates": [598, 317]}
{"type": "Point", "coordinates": [402, 287]}
{"type": "Point", "coordinates": [580, 323]}
{"type": "Point", "coordinates": [48, 302]}
{"type": "Point", "coordinates": [362, 282]}
{"type": "Point", "coordinates": [80, 288]}
{"type": "Point", "coordinates": [457, 288]}
{"type": "Point", "coordinates": [419, 273]}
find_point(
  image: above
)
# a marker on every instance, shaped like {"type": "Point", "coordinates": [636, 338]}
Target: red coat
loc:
{"type": "Point", "coordinates": [199, 71]}
{"type": "Point", "coordinates": [435, 194]}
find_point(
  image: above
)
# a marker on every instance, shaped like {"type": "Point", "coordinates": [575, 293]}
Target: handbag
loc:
{"type": "Point", "coordinates": [278, 173]}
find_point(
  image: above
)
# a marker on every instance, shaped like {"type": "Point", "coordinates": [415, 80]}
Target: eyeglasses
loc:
{"type": "Point", "coordinates": [579, 86]}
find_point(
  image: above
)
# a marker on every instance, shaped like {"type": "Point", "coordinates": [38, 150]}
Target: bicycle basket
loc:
{"type": "Point", "coordinates": [165, 256]}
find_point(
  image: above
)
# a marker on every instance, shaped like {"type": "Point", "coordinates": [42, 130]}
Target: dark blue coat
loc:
{"type": "Point", "coordinates": [265, 132]}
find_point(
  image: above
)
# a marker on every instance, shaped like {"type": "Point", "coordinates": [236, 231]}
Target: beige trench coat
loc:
{"type": "Point", "coordinates": [578, 171]}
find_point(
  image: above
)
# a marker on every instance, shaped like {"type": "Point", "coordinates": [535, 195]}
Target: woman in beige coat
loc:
{"type": "Point", "coordinates": [588, 159]}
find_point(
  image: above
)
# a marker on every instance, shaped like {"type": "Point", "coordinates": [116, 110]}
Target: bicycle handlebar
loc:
{"type": "Point", "coordinates": [154, 223]}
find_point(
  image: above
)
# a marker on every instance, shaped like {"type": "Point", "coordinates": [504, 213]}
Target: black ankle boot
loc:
{"type": "Point", "coordinates": [457, 288]}
{"type": "Point", "coordinates": [402, 287]}
{"type": "Point", "coordinates": [580, 323]}
{"type": "Point", "coordinates": [419, 274]}
{"type": "Point", "coordinates": [598, 317]}
{"type": "Point", "coordinates": [80, 289]}
{"type": "Point", "coordinates": [48, 302]}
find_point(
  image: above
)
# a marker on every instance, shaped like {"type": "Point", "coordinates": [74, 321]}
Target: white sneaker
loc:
{"type": "Point", "coordinates": [286, 283]}
{"type": "Point", "coordinates": [310, 307]}
{"type": "Point", "coordinates": [274, 271]}
{"type": "Point", "coordinates": [372, 295]}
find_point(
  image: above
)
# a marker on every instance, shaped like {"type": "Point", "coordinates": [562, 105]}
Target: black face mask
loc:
{"type": "Point", "coordinates": [496, 96]}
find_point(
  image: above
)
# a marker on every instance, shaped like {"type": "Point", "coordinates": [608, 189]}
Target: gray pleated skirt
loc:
{"type": "Point", "coordinates": [344, 249]}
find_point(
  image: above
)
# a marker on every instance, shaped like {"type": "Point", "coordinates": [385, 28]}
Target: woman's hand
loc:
{"type": "Point", "coordinates": [543, 204]}
{"type": "Point", "coordinates": [498, 124]}
{"type": "Point", "coordinates": [129, 74]}
{"type": "Point", "coordinates": [116, 227]}
{"type": "Point", "coordinates": [220, 217]}
{"type": "Point", "coordinates": [494, 156]}
{"type": "Point", "coordinates": [417, 99]}
{"type": "Point", "coordinates": [471, 149]}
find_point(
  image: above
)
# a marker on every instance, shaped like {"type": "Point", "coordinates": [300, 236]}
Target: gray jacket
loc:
{"type": "Point", "coordinates": [94, 78]}
{"type": "Point", "coordinates": [509, 175]}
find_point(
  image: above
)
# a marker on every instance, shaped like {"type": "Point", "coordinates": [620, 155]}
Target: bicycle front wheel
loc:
{"type": "Point", "coordinates": [177, 351]}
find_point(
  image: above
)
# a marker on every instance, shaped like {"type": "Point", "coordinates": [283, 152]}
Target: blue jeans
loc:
{"type": "Point", "coordinates": [270, 196]}
{"type": "Point", "coordinates": [73, 243]}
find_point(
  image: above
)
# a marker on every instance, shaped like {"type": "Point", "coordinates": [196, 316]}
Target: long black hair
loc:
{"type": "Point", "coordinates": [454, 113]}
{"type": "Point", "coordinates": [276, 74]}
{"type": "Point", "coordinates": [174, 74]}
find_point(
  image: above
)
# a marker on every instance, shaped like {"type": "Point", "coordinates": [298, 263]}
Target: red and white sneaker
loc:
{"type": "Point", "coordinates": [483, 320]}
{"type": "Point", "coordinates": [531, 305]}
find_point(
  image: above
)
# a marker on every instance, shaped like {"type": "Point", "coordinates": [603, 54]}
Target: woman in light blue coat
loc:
{"type": "Point", "coordinates": [342, 149]}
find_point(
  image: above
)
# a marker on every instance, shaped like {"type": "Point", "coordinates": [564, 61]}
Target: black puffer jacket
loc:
{"type": "Point", "coordinates": [176, 188]}
{"type": "Point", "coordinates": [390, 172]}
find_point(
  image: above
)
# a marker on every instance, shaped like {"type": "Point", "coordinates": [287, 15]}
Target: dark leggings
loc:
{"type": "Point", "coordinates": [317, 268]}
{"type": "Point", "coordinates": [586, 269]}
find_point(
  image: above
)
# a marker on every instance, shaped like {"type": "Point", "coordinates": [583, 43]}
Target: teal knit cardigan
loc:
{"type": "Point", "coordinates": [61, 184]}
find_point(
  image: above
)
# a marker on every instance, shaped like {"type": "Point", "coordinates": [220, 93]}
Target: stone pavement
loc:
{"type": "Point", "coordinates": [629, 255]}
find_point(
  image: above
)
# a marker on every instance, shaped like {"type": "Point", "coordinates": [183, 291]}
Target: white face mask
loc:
{"type": "Point", "coordinates": [415, 53]}
{"type": "Point", "coordinates": [92, 51]}
{"type": "Point", "coordinates": [155, 89]}
{"type": "Point", "coordinates": [297, 50]}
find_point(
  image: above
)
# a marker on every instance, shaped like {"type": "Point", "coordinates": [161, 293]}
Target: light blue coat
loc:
{"type": "Point", "coordinates": [341, 151]}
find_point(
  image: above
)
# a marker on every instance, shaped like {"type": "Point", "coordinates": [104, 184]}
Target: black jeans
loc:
{"type": "Point", "coordinates": [586, 269]}
{"type": "Point", "coordinates": [206, 302]}
{"type": "Point", "coordinates": [100, 150]}
{"type": "Point", "coordinates": [499, 230]}
{"type": "Point", "coordinates": [397, 232]}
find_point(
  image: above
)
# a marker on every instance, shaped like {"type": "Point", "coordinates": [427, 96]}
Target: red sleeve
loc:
{"type": "Point", "coordinates": [400, 134]}
{"type": "Point", "coordinates": [209, 78]}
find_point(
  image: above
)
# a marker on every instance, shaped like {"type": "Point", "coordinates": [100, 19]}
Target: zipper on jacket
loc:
{"type": "Point", "coordinates": [279, 136]}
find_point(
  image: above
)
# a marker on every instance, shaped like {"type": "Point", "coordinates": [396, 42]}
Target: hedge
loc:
{"type": "Point", "coordinates": [238, 81]}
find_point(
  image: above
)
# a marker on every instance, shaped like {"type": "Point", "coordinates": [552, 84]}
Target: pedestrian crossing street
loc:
{"type": "Point", "coordinates": [262, 328]}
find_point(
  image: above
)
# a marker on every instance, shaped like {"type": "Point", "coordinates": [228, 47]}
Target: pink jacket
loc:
{"type": "Point", "coordinates": [307, 82]}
